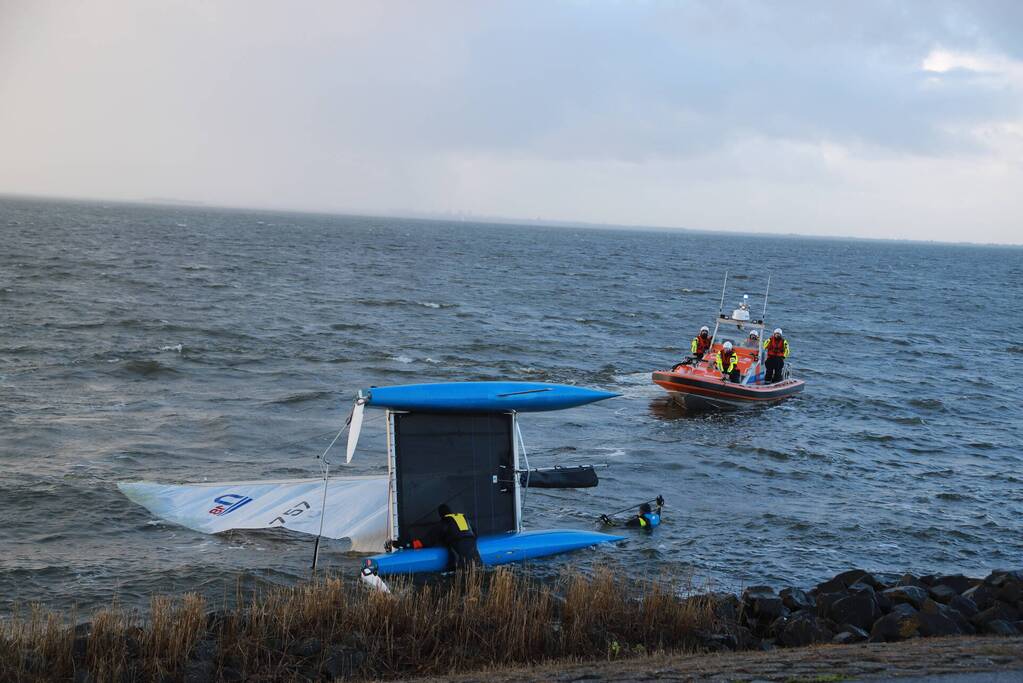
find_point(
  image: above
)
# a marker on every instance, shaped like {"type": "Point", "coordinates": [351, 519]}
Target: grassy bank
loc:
{"type": "Point", "coordinates": [334, 628]}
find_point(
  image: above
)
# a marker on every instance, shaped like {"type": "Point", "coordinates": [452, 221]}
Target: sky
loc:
{"type": "Point", "coordinates": [896, 118]}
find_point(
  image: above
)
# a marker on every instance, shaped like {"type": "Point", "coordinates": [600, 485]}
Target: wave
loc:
{"type": "Point", "coordinates": [301, 397]}
{"type": "Point", "coordinates": [928, 403]}
{"type": "Point", "coordinates": [145, 368]}
{"type": "Point", "coordinates": [386, 303]}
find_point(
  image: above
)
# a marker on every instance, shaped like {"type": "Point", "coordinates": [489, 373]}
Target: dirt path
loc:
{"type": "Point", "coordinates": [913, 658]}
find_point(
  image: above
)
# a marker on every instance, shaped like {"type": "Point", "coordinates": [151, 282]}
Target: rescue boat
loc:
{"type": "Point", "coordinates": [696, 382]}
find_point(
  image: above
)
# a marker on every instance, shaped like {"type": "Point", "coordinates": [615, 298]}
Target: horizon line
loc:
{"type": "Point", "coordinates": [456, 216]}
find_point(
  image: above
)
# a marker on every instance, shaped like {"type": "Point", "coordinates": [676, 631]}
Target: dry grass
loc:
{"type": "Point", "coordinates": [333, 628]}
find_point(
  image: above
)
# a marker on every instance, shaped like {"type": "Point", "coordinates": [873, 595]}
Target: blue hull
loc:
{"type": "Point", "coordinates": [494, 550]}
{"type": "Point", "coordinates": [484, 397]}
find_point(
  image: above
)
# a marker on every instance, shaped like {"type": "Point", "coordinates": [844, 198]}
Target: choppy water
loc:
{"type": "Point", "coordinates": [185, 344]}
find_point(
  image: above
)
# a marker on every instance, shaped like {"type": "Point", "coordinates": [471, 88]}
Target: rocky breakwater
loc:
{"type": "Point", "coordinates": [859, 606]}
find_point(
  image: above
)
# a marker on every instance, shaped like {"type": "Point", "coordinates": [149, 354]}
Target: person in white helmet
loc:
{"type": "Point", "coordinates": [777, 347]}
{"type": "Point", "coordinates": [727, 363]}
{"type": "Point", "coordinates": [753, 341]}
{"type": "Point", "coordinates": [701, 343]}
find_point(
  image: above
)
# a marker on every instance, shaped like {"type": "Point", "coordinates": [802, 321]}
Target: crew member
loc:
{"type": "Point", "coordinates": [777, 351]}
{"type": "Point", "coordinates": [459, 538]}
{"type": "Point", "coordinates": [753, 341]}
{"type": "Point", "coordinates": [701, 343]}
{"type": "Point", "coordinates": [647, 519]}
{"type": "Point", "coordinates": [728, 362]}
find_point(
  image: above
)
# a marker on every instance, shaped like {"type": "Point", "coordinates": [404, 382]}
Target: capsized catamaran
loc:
{"type": "Point", "coordinates": [453, 443]}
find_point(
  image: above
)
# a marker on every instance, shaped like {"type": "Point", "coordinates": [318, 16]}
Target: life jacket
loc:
{"type": "Point", "coordinates": [777, 348]}
{"type": "Point", "coordinates": [648, 520]}
{"type": "Point", "coordinates": [700, 344]}
{"type": "Point", "coordinates": [461, 524]}
{"type": "Point", "coordinates": [733, 360]}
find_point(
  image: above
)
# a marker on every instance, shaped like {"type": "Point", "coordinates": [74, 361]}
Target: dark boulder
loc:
{"type": "Point", "coordinates": [961, 621]}
{"type": "Point", "coordinates": [1000, 611]}
{"type": "Point", "coordinates": [826, 600]}
{"type": "Point", "coordinates": [1000, 577]}
{"type": "Point", "coordinates": [860, 587]}
{"type": "Point", "coordinates": [718, 642]}
{"type": "Point", "coordinates": [964, 606]}
{"type": "Point", "coordinates": [911, 595]}
{"type": "Point", "coordinates": [901, 623]}
{"type": "Point", "coordinates": [957, 582]}
{"type": "Point", "coordinates": [760, 604]}
{"type": "Point", "coordinates": [982, 595]}
{"type": "Point", "coordinates": [1010, 591]}
{"type": "Point", "coordinates": [910, 580]}
{"type": "Point", "coordinates": [903, 609]}
{"type": "Point", "coordinates": [1000, 627]}
{"type": "Point", "coordinates": [886, 580]}
{"type": "Point", "coordinates": [858, 609]}
{"type": "Point", "coordinates": [801, 628]}
{"type": "Point", "coordinates": [726, 607]}
{"type": "Point", "coordinates": [937, 624]}
{"type": "Point", "coordinates": [942, 593]}
{"type": "Point", "coordinates": [797, 600]}
{"type": "Point", "coordinates": [847, 633]}
{"type": "Point", "coordinates": [844, 580]}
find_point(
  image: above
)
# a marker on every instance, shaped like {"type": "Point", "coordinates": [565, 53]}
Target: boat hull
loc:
{"type": "Point", "coordinates": [494, 550]}
{"type": "Point", "coordinates": [697, 389]}
{"type": "Point", "coordinates": [483, 397]}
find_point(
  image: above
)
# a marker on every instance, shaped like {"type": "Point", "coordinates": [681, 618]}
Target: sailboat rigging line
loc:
{"type": "Point", "coordinates": [658, 500]}
{"type": "Point", "coordinates": [325, 468]}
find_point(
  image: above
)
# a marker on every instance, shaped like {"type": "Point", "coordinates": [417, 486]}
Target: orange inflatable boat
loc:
{"type": "Point", "coordinates": [697, 383]}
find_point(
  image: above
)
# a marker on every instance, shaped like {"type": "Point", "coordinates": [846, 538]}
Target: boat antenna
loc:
{"type": "Point", "coordinates": [325, 467]}
{"type": "Point", "coordinates": [763, 328]}
{"type": "Point", "coordinates": [721, 306]}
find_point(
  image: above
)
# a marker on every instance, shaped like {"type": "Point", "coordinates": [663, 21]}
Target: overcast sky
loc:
{"type": "Point", "coordinates": [872, 119]}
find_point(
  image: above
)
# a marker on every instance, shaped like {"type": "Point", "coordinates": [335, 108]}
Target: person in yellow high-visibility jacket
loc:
{"type": "Point", "coordinates": [727, 362]}
{"type": "Point", "coordinates": [459, 538]}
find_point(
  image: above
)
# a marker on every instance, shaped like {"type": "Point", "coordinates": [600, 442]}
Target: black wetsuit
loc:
{"type": "Point", "coordinates": [460, 540]}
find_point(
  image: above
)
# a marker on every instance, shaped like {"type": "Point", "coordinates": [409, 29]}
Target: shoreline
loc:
{"type": "Point", "coordinates": [505, 625]}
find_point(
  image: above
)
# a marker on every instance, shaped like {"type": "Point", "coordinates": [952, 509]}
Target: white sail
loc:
{"type": "Point", "coordinates": [355, 509]}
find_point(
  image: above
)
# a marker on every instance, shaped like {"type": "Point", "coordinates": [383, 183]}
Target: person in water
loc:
{"type": "Point", "coordinates": [647, 519]}
{"type": "Point", "coordinates": [727, 363]}
{"type": "Point", "coordinates": [777, 351]}
{"type": "Point", "coordinates": [459, 538]}
{"type": "Point", "coordinates": [701, 343]}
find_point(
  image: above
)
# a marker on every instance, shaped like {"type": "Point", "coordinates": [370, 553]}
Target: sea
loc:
{"type": "Point", "coordinates": [185, 344]}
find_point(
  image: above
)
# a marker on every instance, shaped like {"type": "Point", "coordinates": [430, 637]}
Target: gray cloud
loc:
{"type": "Point", "coordinates": [458, 106]}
